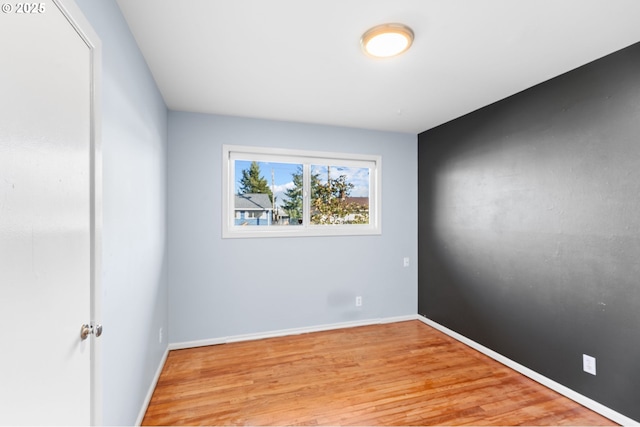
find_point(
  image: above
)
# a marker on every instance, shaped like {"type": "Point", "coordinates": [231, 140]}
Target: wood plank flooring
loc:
{"type": "Point", "coordinates": [404, 373]}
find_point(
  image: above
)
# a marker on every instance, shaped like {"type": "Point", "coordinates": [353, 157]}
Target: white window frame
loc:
{"type": "Point", "coordinates": [231, 153]}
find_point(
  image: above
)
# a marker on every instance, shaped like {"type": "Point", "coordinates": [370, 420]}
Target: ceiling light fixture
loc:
{"type": "Point", "coordinates": [387, 40]}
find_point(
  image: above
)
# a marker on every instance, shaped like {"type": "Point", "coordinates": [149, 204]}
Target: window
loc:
{"type": "Point", "coordinates": [270, 192]}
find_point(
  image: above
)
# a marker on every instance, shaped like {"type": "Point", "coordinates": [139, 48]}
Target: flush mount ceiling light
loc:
{"type": "Point", "coordinates": [387, 40]}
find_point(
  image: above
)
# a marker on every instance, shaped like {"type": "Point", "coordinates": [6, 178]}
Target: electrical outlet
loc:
{"type": "Point", "coordinates": [160, 336]}
{"type": "Point", "coordinates": [589, 364]}
{"type": "Point", "coordinates": [358, 301]}
{"type": "Point", "coordinates": [405, 261]}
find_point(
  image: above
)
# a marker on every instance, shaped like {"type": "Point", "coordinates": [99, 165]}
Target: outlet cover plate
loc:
{"type": "Point", "coordinates": [589, 364]}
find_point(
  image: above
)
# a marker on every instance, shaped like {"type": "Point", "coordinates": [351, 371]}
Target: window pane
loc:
{"type": "Point", "coordinates": [267, 193]}
{"type": "Point", "coordinates": [339, 195]}
{"type": "Point", "coordinates": [276, 192]}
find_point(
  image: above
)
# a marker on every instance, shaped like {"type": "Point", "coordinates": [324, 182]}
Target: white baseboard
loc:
{"type": "Point", "coordinates": [286, 332]}
{"type": "Point", "coordinates": [152, 387]}
{"type": "Point", "coordinates": [547, 382]}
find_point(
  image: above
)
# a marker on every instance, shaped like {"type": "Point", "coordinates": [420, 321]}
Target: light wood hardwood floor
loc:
{"type": "Point", "coordinates": [404, 373]}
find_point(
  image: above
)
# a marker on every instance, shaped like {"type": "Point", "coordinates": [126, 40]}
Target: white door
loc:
{"type": "Point", "coordinates": [47, 228]}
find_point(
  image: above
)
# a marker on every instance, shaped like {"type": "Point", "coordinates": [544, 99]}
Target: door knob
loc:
{"type": "Point", "coordinates": [84, 332]}
{"type": "Point", "coordinates": [87, 330]}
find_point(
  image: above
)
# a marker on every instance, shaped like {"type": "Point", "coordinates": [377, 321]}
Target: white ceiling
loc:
{"type": "Point", "coordinates": [300, 60]}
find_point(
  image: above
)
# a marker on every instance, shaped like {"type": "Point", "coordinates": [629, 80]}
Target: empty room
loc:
{"type": "Point", "coordinates": [248, 212]}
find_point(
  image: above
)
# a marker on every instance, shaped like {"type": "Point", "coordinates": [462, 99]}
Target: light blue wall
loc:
{"type": "Point", "coordinates": [222, 287]}
{"type": "Point", "coordinates": [134, 288]}
{"type": "Point", "coordinates": [241, 286]}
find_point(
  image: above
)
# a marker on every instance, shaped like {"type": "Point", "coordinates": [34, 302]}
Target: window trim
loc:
{"type": "Point", "coordinates": [230, 153]}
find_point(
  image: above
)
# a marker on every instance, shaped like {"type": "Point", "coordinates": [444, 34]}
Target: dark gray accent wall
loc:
{"type": "Point", "coordinates": [529, 228]}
